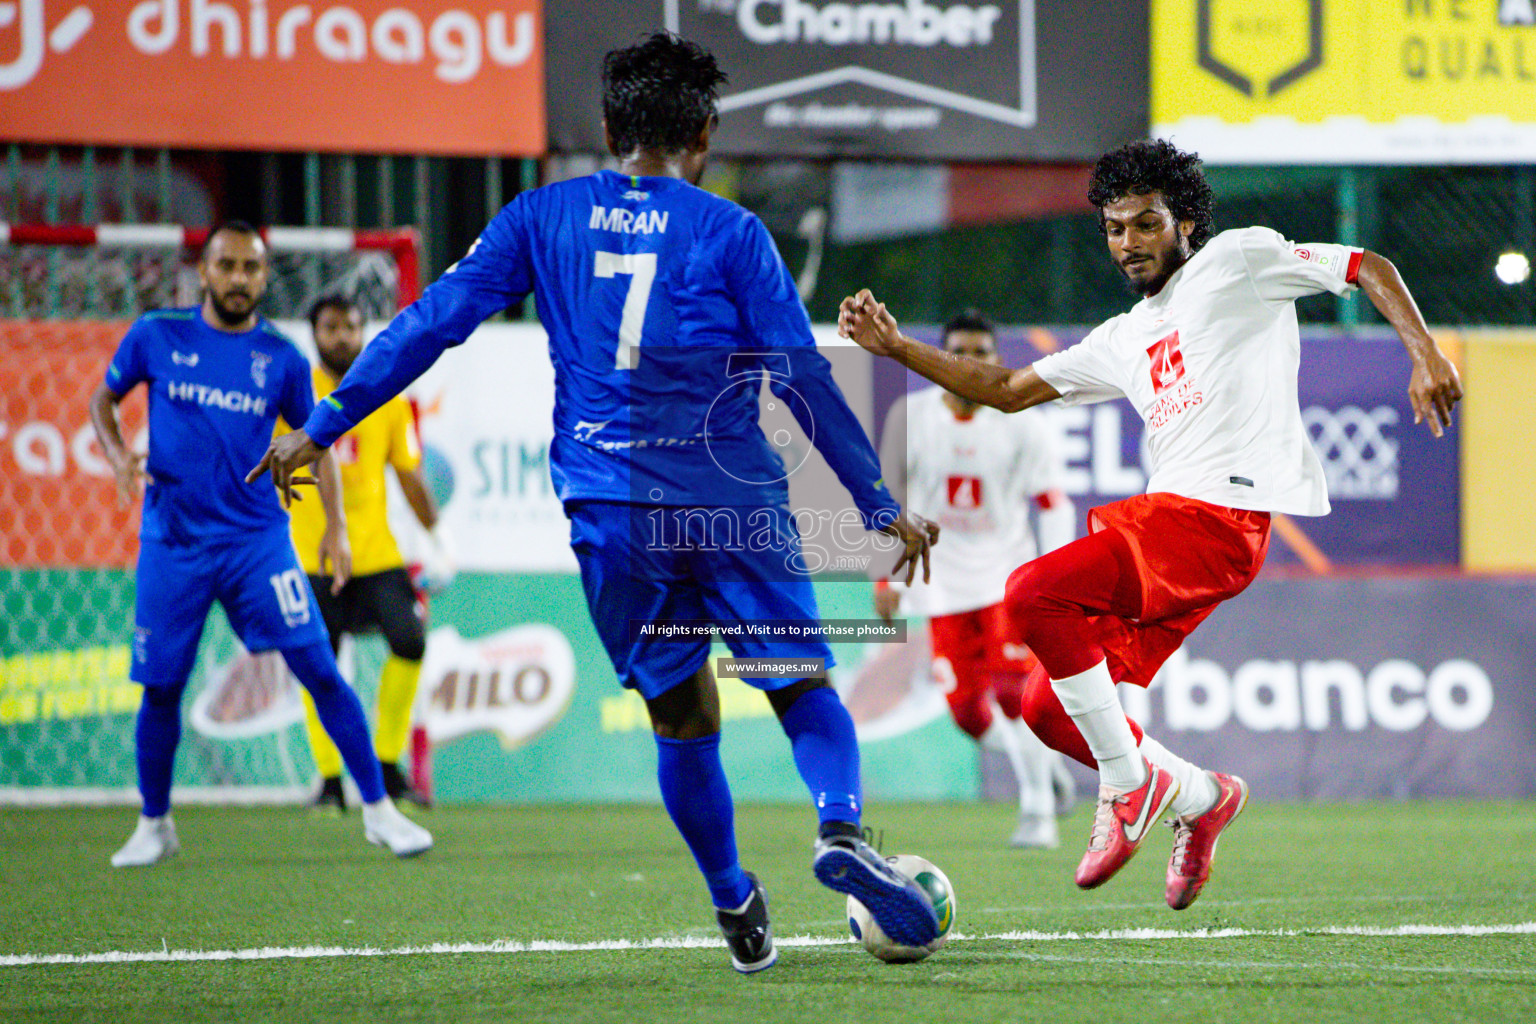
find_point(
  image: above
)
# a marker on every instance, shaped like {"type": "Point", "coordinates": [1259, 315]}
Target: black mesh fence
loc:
{"type": "Point", "coordinates": [1444, 227]}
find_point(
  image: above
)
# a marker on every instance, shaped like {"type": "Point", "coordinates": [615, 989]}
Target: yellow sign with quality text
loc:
{"type": "Point", "coordinates": [1346, 81]}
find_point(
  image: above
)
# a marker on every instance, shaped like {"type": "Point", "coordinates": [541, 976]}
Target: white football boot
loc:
{"type": "Point", "coordinates": [152, 841]}
{"type": "Point", "coordinates": [384, 825]}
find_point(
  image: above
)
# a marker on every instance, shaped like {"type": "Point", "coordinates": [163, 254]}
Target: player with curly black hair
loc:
{"type": "Point", "coordinates": [1209, 356]}
{"type": "Point", "coordinates": [1156, 165]}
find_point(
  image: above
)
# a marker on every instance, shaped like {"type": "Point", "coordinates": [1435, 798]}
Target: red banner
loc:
{"type": "Point", "coordinates": [58, 500]}
{"type": "Point", "coordinates": [417, 76]}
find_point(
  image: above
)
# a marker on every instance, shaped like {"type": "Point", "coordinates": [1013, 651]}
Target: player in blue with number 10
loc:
{"type": "Point", "coordinates": [655, 295]}
{"type": "Point", "coordinates": [218, 376]}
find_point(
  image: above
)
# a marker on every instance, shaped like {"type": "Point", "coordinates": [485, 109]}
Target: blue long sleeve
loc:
{"type": "Point", "coordinates": [770, 307]}
{"type": "Point", "coordinates": [491, 277]}
{"type": "Point", "coordinates": [836, 432]}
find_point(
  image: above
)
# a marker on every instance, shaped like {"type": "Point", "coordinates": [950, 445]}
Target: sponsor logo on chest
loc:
{"type": "Point", "coordinates": [1167, 362]}
{"type": "Point", "coordinates": [229, 400]}
{"type": "Point", "coordinates": [964, 491]}
{"type": "Point", "coordinates": [259, 363]}
{"type": "Point", "coordinates": [1172, 388]}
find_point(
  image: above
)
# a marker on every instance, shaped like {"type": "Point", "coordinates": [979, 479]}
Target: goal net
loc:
{"type": "Point", "coordinates": [67, 549]}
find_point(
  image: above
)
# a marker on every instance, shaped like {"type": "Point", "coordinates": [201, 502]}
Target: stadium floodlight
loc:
{"type": "Point", "coordinates": [1513, 268]}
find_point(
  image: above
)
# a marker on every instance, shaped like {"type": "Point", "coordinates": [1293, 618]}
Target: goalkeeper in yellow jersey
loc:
{"type": "Point", "coordinates": [380, 593]}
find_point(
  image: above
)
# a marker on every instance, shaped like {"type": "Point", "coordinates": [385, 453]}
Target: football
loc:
{"type": "Point", "coordinates": [936, 884]}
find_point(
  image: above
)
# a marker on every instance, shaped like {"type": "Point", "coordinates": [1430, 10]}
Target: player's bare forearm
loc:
{"type": "Point", "coordinates": [1379, 279]}
{"type": "Point", "coordinates": [127, 468]}
{"type": "Point", "coordinates": [418, 497]}
{"type": "Point", "coordinates": [328, 476]}
{"type": "Point", "coordinates": [109, 432]}
{"type": "Point", "coordinates": [335, 549]}
{"type": "Point", "coordinates": [1434, 387]}
{"type": "Point", "coordinates": [997, 386]}
{"type": "Point", "coordinates": [867, 321]}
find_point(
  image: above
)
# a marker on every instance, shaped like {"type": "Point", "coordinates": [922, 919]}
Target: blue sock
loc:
{"type": "Point", "coordinates": [340, 712]}
{"type": "Point", "coordinates": [697, 796]}
{"type": "Point", "coordinates": [155, 738]}
{"type": "Point", "coordinates": [826, 749]}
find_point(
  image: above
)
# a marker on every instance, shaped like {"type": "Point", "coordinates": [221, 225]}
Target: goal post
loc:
{"type": "Point", "coordinates": [67, 549]}
{"type": "Point", "coordinates": [121, 270]}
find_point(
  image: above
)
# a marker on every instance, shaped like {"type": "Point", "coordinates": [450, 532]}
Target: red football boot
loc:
{"type": "Point", "coordinates": [1194, 840]}
{"type": "Point", "coordinates": [1121, 822]}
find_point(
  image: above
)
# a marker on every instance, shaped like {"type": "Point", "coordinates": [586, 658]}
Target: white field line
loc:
{"type": "Point", "coordinates": [1274, 965]}
{"type": "Point", "coordinates": [702, 942]}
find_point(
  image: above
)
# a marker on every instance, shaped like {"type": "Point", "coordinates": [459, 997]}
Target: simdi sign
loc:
{"type": "Point", "coordinates": [1346, 81]}
{"type": "Point", "coordinates": [418, 76]}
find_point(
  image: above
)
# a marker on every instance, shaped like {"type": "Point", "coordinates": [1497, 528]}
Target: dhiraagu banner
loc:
{"type": "Point", "coordinates": [1346, 81]}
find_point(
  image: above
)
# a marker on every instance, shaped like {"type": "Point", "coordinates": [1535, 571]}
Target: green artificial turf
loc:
{"type": "Point", "coordinates": [279, 878]}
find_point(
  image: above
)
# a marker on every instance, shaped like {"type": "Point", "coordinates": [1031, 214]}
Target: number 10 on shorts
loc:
{"type": "Point", "coordinates": [292, 597]}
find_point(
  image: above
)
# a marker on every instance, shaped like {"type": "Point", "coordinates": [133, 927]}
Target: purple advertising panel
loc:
{"type": "Point", "coordinates": [1333, 688]}
{"type": "Point", "coordinates": [1330, 688]}
{"type": "Point", "coordinates": [1394, 487]}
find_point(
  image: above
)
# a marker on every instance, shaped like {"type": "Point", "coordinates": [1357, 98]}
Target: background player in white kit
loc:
{"type": "Point", "coordinates": [976, 472]}
{"type": "Point", "coordinates": [1209, 357]}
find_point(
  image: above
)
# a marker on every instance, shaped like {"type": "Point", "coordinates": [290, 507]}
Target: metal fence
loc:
{"type": "Point", "coordinates": [1444, 227]}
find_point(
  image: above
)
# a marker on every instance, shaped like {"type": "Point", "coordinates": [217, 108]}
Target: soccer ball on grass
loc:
{"type": "Point", "coordinates": [936, 884]}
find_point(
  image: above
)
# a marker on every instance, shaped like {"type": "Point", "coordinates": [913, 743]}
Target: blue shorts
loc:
{"type": "Point", "coordinates": [632, 577]}
{"type": "Point", "coordinates": [256, 578]}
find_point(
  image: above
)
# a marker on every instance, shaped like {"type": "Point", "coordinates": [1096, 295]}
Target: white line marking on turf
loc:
{"type": "Point", "coordinates": [1271, 965]}
{"type": "Point", "coordinates": [701, 942]}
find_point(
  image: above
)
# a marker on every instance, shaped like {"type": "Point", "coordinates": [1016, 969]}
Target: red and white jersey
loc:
{"type": "Point", "coordinates": [1210, 362]}
{"type": "Point", "coordinates": [976, 477]}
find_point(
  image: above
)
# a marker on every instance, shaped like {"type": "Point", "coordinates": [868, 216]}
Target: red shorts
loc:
{"type": "Point", "coordinates": [1190, 556]}
{"type": "Point", "coordinates": [978, 642]}
{"type": "Point", "coordinates": [977, 660]}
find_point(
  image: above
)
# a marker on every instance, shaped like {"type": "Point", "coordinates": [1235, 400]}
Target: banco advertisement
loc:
{"type": "Point", "coordinates": [1358, 688]}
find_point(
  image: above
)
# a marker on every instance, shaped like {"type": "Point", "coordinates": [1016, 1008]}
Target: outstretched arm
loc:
{"type": "Point", "coordinates": [1434, 387]}
{"type": "Point", "coordinates": [491, 276]}
{"type": "Point", "coordinates": [868, 322]}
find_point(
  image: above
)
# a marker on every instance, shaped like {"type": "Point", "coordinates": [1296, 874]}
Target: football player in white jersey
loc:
{"type": "Point", "coordinates": [1209, 357]}
{"type": "Point", "coordinates": [976, 472]}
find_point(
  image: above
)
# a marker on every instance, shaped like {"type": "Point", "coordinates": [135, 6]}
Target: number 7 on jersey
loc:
{"type": "Point", "coordinates": [641, 268]}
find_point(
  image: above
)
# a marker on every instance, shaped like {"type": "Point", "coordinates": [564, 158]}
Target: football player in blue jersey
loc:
{"type": "Point", "coordinates": [218, 376]}
{"type": "Point", "coordinates": [660, 299]}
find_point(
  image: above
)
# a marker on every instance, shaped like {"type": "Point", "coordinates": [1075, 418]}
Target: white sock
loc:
{"type": "Point", "coordinates": [1062, 782]}
{"type": "Point", "coordinates": [1039, 760]}
{"type": "Point", "coordinates": [1000, 736]}
{"type": "Point", "coordinates": [1089, 698]}
{"type": "Point", "coordinates": [1197, 791]}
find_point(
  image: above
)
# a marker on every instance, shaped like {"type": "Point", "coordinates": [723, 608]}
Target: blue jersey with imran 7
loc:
{"type": "Point", "coordinates": [666, 307]}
